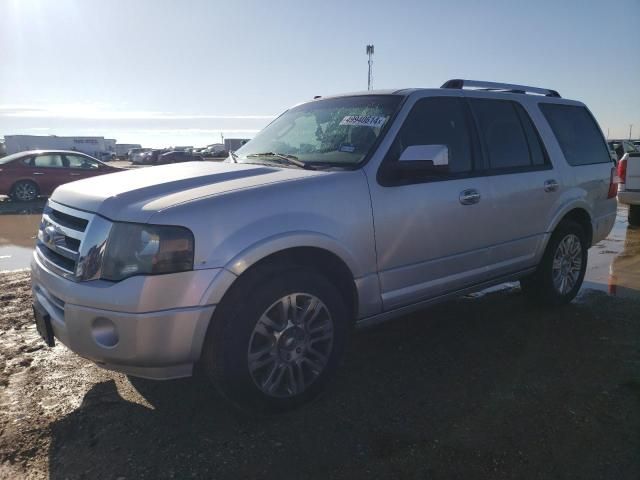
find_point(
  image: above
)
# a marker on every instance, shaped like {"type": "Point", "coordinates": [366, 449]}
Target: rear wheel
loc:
{"type": "Point", "coordinates": [276, 339]}
{"type": "Point", "coordinates": [634, 215]}
{"type": "Point", "coordinates": [24, 191]}
{"type": "Point", "coordinates": [559, 275]}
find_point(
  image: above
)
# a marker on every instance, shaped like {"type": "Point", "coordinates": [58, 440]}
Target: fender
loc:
{"type": "Point", "coordinates": [570, 204]}
{"type": "Point", "coordinates": [277, 243]}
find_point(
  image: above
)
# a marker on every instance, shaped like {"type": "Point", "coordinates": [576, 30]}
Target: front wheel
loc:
{"type": "Point", "coordinates": [634, 215]}
{"type": "Point", "coordinates": [276, 340]}
{"type": "Point", "coordinates": [559, 275]}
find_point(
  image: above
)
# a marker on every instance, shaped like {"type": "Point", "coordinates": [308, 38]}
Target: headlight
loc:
{"type": "Point", "coordinates": [134, 249]}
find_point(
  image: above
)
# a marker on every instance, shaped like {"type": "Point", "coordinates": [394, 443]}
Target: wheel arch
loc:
{"type": "Point", "coordinates": [322, 260]}
{"type": "Point", "coordinates": [582, 217]}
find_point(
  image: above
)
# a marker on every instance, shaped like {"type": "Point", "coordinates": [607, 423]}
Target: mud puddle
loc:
{"type": "Point", "coordinates": [17, 239]}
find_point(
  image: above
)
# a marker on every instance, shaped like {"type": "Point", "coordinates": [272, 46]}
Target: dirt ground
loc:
{"type": "Point", "coordinates": [483, 387]}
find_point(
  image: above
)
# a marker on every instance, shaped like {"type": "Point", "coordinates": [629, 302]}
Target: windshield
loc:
{"type": "Point", "coordinates": [336, 131]}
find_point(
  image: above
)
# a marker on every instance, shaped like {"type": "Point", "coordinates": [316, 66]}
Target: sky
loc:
{"type": "Point", "coordinates": [170, 72]}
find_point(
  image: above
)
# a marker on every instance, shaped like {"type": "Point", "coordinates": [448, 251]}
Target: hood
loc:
{"type": "Point", "coordinates": [135, 195]}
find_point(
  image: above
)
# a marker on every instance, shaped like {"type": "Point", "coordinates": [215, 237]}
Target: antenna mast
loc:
{"type": "Point", "coordinates": [370, 77]}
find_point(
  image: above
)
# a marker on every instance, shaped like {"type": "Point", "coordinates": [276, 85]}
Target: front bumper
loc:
{"type": "Point", "coordinates": [629, 197]}
{"type": "Point", "coordinates": [147, 326]}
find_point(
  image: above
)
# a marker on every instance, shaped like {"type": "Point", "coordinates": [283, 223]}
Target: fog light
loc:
{"type": "Point", "coordinates": [104, 332]}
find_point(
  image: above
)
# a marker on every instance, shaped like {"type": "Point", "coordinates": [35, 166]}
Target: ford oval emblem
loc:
{"type": "Point", "coordinates": [51, 235]}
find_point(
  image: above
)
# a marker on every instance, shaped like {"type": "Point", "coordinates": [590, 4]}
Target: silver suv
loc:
{"type": "Point", "coordinates": [345, 210]}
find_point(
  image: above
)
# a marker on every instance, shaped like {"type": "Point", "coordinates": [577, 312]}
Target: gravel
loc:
{"type": "Point", "coordinates": [483, 387]}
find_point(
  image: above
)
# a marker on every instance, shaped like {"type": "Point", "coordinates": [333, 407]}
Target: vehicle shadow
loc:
{"type": "Point", "coordinates": [480, 387]}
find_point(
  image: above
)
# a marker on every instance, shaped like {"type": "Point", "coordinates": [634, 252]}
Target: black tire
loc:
{"type": "Point", "coordinates": [539, 287]}
{"type": "Point", "coordinates": [24, 191]}
{"type": "Point", "coordinates": [634, 215]}
{"type": "Point", "coordinates": [225, 352]}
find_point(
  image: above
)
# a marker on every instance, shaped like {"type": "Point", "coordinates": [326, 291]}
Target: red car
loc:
{"type": "Point", "coordinates": [26, 175]}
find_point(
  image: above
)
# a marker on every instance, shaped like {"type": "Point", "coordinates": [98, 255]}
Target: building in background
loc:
{"type": "Point", "coordinates": [110, 145]}
{"type": "Point", "coordinates": [94, 146]}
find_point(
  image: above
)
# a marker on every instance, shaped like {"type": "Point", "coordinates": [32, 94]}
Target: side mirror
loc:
{"type": "Point", "coordinates": [422, 159]}
{"type": "Point", "coordinates": [437, 155]}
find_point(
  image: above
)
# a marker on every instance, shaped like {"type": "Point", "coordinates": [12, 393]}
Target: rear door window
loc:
{"type": "Point", "coordinates": [510, 139]}
{"type": "Point", "coordinates": [577, 133]}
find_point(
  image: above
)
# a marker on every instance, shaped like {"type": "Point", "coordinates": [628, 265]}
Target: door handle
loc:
{"type": "Point", "coordinates": [38, 173]}
{"type": "Point", "coordinates": [75, 174]}
{"type": "Point", "coordinates": [469, 197]}
{"type": "Point", "coordinates": [551, 186]}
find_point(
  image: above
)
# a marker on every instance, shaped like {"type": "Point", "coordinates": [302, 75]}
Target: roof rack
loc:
{"type": "Point", "coordinates": [499, 87]}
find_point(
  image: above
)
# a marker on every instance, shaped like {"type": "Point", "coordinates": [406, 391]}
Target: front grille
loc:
{"type": "Point", "coordinates": [67, 220]}
{"type": "Point", "coordinates": [60, 237]}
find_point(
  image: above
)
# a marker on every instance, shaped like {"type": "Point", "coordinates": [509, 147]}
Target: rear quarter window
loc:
{"type": "Point", "coordinates": [577, 133]}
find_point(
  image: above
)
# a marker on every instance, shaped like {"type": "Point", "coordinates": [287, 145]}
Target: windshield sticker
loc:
{"type": "Point", "coordinates": [372, 121]}
{"type": "Point", "coordinates": [346, 147]}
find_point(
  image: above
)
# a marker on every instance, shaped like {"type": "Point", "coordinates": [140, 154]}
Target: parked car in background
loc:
{"type": "Point", "coordinates": [108, 157]}
{"type": "Point", "coordinates": [612, 153]}
{"type": "Point", "coordinates": [26, 175]}
{"type": "Point", "coordinates": [624, 146]}
{"type": "Point", "coordinates": [122, 149]}
{"type": "Point", "coordinates": [348, 209]}
{"type": "Point", "coordinates": [133, 152]}
{"type": "Point", "coordinates": [217, 150]}
{"type": "Point", "coordinates": [177, 156]}
{"type": "Point", "coordinates": [141, 157]}
{"type": "Point", "coordinates": [153, 155]}
{"type": "Point", "coordinates": [629, 187]}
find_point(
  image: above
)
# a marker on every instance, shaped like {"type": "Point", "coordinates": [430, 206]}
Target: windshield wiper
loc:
{"type": "Point", "coordinates": [234, 156]}
{"type": "Point", "coordinates": [292, 159]}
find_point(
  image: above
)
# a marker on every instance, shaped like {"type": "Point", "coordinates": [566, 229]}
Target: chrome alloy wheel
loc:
{"type": "Point", "coordinates": [25, 191]}
{"type": "Point", "coordinates": [290, 345]}
{"type": "Point", "coordinates": [567, 264]}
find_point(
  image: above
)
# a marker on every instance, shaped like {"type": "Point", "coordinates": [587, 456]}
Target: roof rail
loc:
{"type": "Point", "coordinates": [501, 87]}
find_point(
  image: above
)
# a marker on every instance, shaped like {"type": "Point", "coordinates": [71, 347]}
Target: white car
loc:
{"type": "Point", "coordinates": [629, 186]}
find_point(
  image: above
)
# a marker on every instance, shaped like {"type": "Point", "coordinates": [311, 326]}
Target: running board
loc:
{"type": "Point", "coordinates": [398, 312]}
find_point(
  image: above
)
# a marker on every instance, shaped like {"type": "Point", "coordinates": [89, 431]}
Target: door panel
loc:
{"type": "Point", "coordinates": [428, 242]}
{"type": "Point", "coordinates": [522, 213]}
{"type": "Point", "coordinates": [523, 184]}
{"type": "Point", "coordinates": [431, 234]}
{"type": "Point", "coordinates": [48, 172]}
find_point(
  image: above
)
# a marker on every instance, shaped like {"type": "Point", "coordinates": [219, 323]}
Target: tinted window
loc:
{"type": "Point", "coordinates": [504, 138]}
{"type": "Point", "coordinates": [437, 121]}
{"type": "Point", "coordinates": [49, 161]}
{"type": "Point", "coordinates": [76, 161]}
{"type": "Point", "coordinates": [578, 134]}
